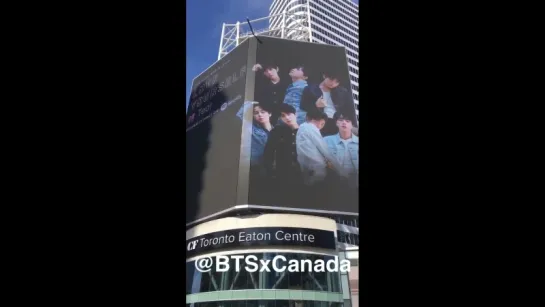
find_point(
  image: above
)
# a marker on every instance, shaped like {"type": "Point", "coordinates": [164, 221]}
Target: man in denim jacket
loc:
{"type": "Point", "coordinates": [312, 151]}
{"type": "Point", "coordinates": [344, 146]}
{"type": "Point", "coordinates": [294, 92]}
{"type": "Point", "coordinates": [260, 130]}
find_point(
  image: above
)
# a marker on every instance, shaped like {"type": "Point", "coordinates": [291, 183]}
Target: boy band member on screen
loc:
{"type": "Point", "coordinates": [280, 157]}
{"type": "Point", "coordinates": [295, 92]}
{"type": "Point", "coordinates": [312, 151]}
{"type": "Point", "coordinates": [270, 89]}
{"type": "Point", "coordinates": [329, 97]}
{"type": "Point", "coordinates": [261, 127]}
{"type": "Point", "coordinates": [344, 146]}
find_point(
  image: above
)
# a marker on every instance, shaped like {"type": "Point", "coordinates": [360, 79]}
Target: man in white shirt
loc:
{"type": "Point", "coordinates": [312, 151]}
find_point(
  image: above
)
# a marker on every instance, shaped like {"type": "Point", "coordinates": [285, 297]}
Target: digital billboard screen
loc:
{"type": "Point", "coordinates": [273, 123]}
{"type": "Point", "coordinates": [305, 145]}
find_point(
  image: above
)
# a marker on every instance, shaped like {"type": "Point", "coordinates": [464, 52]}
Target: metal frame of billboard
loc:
{"type": "Point", "coordinates": [294, 26]}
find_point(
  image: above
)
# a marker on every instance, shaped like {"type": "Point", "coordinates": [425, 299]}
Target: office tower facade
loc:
{"type": "Point", "coordinates": [333, 22]}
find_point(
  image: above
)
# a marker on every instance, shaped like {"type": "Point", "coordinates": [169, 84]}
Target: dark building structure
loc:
{"type": "Point", "coordinates": [230, 189]}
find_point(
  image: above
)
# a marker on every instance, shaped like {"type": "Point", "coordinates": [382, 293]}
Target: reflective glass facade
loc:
{"type": "Point", "coordinates": [198, 282]}
{"type": "Point", "coordinates": [266, 303]}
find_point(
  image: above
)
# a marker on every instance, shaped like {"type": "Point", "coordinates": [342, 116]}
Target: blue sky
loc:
{"type": "Point", "coordinates": [203, 28]}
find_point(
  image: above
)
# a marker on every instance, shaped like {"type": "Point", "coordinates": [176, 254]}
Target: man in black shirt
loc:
{"type": "Point", "coordinates": [280, 158]}
{"type": "Point", "coordinates": [271, 89]}
{"type": "Point", "coordinates": [329, 97]}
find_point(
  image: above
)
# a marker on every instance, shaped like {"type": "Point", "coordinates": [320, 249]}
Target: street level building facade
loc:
{"type": "Point", "coordinates": [264, 237]}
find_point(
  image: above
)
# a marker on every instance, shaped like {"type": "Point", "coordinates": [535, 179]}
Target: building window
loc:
{"type": "Point", "coordinates": [348, 238]}
{"type": "Point", "coordinates": [349, 11]}
{"type": "Point", "coordinates": [345, 26]}
{"type": "Point", "coordinates": [339, 33]}
{"type": "Point", "coordinates": [331, 6]}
